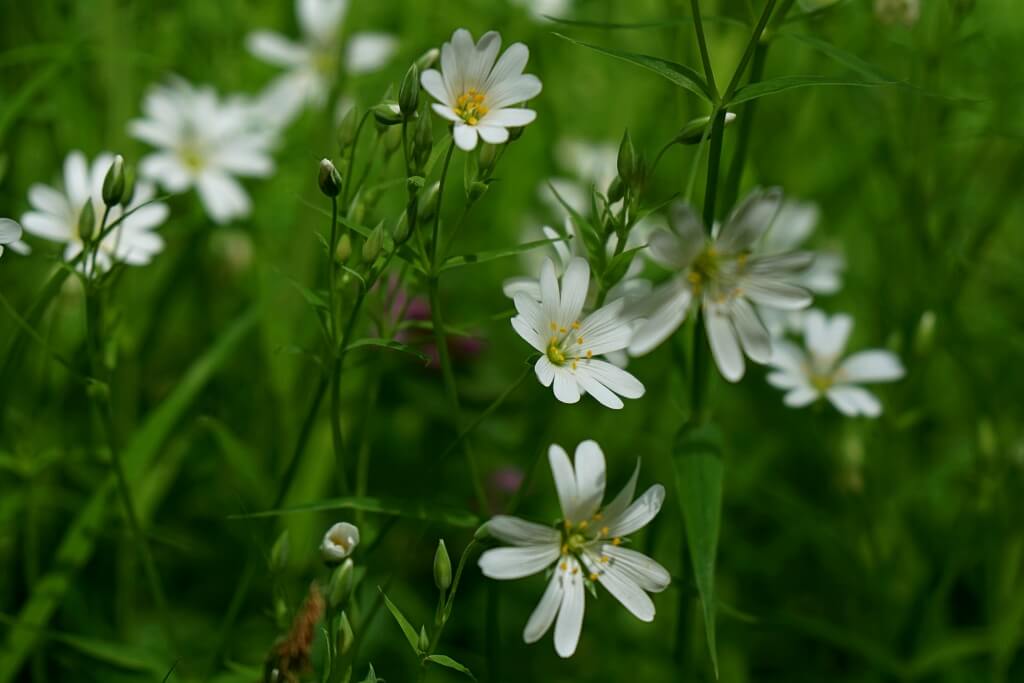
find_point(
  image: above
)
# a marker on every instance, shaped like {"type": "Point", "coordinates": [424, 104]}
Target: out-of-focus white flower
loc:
{"type": "Point", "coordinates": [591, 165]}
{"type": "Point", "coordinates": [545, 8]}
{"type": "Point", "coordinates": [10, 233]}
{"type": "Point", "coordinates": [479, 94]}
{"type": "Point", "coordinates": [726, 278]}
{"type": "Point", "coordinates": [55, 215]}
{"type": "Point", "coordinates": [313, 63]}
{"type": "Point", "coordinates": [584, 549]}
{"type": "Point", "coordinates": [905, 12]}
{"type": "Point", "coordinates": [571, 347]}
{"type": "Point", "coordinates": [204, 142]}
{"type": "Point", "coordinates": [820, 371]}
{"type": "Point", "coordinates": [339, 542]}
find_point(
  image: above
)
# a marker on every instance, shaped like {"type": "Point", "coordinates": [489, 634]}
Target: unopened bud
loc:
{"type": "Point", "coordinates": [113, 183]}
{"type": "Point", "coordinates": [129, 187]}
{"type": "Point", "coordinates": [409, 92]}
{"type": "Point", "coordinates": [345, 636]}
{"type": "Point", "coordinates": [616, 190]}
{"type": "Point", "coordinates": [442, 567]}
{"type": "Point", "coordinates": [427, 59]}
{"type": "Point", "coordinates": [339, 542]}
{"type": "Point", "coordinates": [423, 141]}
{"type": "Point", "coordinates": [86, 221]}
{"type": "Point", "coordinates": [340, 586]}
{"type": "Point", "coordinates": [392, 139]}
{"type": "Point", "coordinates": [488, 157]}
{"type": "Point", "coordinates": [373, 243]}
{"type": "Point", "coordinates": [387, 113]}
{"type": "Point", "coordinates": [481, 533]}
{"type": "Point", "coordinates": [402, 232]}
{"type": "Point", "coordinates": [626, 160]}
{"type": "Point", "coordinates": [477, 190]}
{"type": "Point", "coordinates": [428, 202]}
{"type": "Point", "coordinates": [344, 249]}
{"type": "Point", "coordinates": [279, 552]}
{"type": "Point", "coordinates": [924, 336]}
{"type": "Point", "coordinates": [424, 639]}
{"type": "Point", "coordinates": [347, 129]}
{"type": "Point", "coordinates": [329, 178]}
{"type": "Point", "coordinates": [693, 132]}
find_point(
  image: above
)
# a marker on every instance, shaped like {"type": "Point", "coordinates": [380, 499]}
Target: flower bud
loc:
{"type": "Point", "coordinates": [329, 179]}
{"type": "Point", "coordinates": [402, 232]}
{"type": "Point", "coordinates": [424, 643]}
{"type": "Point", "coordinates": [279, 552]}
{"type": "Point", "coordinates": [344, 249]}
{"type": "Point", "coordinates": [422, 142]}
{"type": "Point", "coordinates": [476, 190]}
{"type": "Point", "coordinates": [616, 190]}
{"type": "Point", "coordinates": [345, 636]}
{"type": "Point", "coordinates": [373, 243]}
{"type": "Point", "coordinates": [693, 132]}
{"type": "Point", "coordinates": [481, 533]}
{"type": "Point", "coordinates": [409, 92]}
{"type": "Point", "coordinates": [488, 157]}
{"type": "Point", "coordinates": [129, 187]}
{"type": "Point", "coordinates": [392, 139]}
{"type": "Point", "coordinates": [87, 221]}
{"type": "Point", "coordinates": [340, 586]}
{"type": "Point", "coordinates": [339, 542]}
{"type": "Point", "coordinates": [427, 59]}
{"type": "Point", "coordinates": [387, 113]}
{"type": "Point", "coordinates": [347, 129]}
{"type": "Point", "coordinates": [626, 161]}
{"type": "Point", "coordinates": [924, 335]}
{"type": "Point", "coordinates": [442, 567]}
{"type": "Point", "coordinates": [113, 183]}
{"type": "Point", "coordinates": [429, 200]}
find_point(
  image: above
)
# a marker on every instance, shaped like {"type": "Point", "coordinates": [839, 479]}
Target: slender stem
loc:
{"type": "Point", "coordinates": [435, 235]}
{"type": "Point", "coordinates": [336, 371]}
{"type": "Point", "coordinates": [446, 612]}
{"type": "Point", "coordinates": [351, 168]}
{"type": "Point", "coordinates": [714, 160]}
{"type": "Point", "coordinates": [739, 157]}
{"type": "Point", "coordinates": [755, 39]}
{"type": "Point", "coordinates": [702, 43]}
{"type": "Point", "coordinates": [487, 412]}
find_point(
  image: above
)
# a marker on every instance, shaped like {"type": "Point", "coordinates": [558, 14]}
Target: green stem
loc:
{"type": "Point", "coordinates": [714, 160]}
{"type": "Point", "coordinates": [435, 234]}
{"type": "Point", "coordinates": [748, 53]}
{"type": "Point", "coordinates": [702, 43]}
{"type": "Point", "coordinates": [486, 413]}
{"type": "Point", "coordinates": [746, 121]}
{"type": "Point", "coordinates": [336, 372]}
{"type": "Point", "coordinates": [446, 612]}
{"type": "Point", "coordinates": [351, 167]}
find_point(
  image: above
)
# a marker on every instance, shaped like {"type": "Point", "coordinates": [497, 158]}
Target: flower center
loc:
{"type": "Point", "coordinates": [704, 269]}
{"type": "Point", "coordinates": [325, 60]}
{"type": "Point", "coordinates": [566, 345]}
{"type": "Point", "coordinates": [469, 106]}
{"type": "Point", "coordinates": [191, 156]}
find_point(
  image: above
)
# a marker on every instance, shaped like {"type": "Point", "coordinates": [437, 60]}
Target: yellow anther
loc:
{"type": "Point", "coordinates": [616, 541]}
{"type": "Point", "coordinates": [579, 340]}
{"type": "Point", "coordinates": [593, 576]}
{"type": "Point", "coordinates": [554, 327]}
{"type": "Point", "coordinates": [565, 548]}
{"type": "Point", "coordinates": [583, 524]}
{"type": "Point", "coordinates": [574, 364]}
{"type": "Point", "coordinates": [604, 559]}
{"type": "Point", "coordinates": [564, 566]}
{"type": "Point", "coordinates": [576, 325]}
{"type": "Point", "coordinates": [575, 570]}
{"type": "Point", "coordinates": [472, 120]}
{"type": "Point", "coordinates": [604, 531]}
{"type": "Point", "coordinates": [562, 330]}
{"type": "Point", "coordinates": [590, 354]}
{"type": "Point", "coordinates": [598, 515]}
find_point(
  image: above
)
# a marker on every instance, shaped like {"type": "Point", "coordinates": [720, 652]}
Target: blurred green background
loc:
{"type": "Point", "coordinates": [851, 550]}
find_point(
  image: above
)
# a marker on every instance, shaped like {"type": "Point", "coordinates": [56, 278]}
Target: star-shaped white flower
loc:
{"type": "Point", "coordinates": [478, 94]}
{"type": "Point", "coordinates": [55, 215]}
{"type": "Point", "coordinates": [204, 142]}
{"type": "Point", "coordinates": [586, 547]}
{"type": "Point", "coordinates": [571, 346]}
{"type": "Point", "coordinates": [10, 232]}
{"type": "Point", "coordinates": [726, 279]}
{"type": "Point", "coordinates": [820, 372]}
{"type": "Point", "coordinates": [313, 63]}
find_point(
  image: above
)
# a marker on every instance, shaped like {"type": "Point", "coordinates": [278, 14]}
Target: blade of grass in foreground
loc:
{"type": "Point", "coordinates": [421, 510]}
{"type": "Point", "coordinates": [78, 543]}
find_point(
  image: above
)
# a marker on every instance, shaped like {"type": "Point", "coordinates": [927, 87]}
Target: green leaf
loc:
{"type": "Point", "coordinates": [410, 633]}
{"type": "Point", "coordinates": [592, 240]}
{"type": "Point", "coordinates": [79, 541]}
{"type": "Point", "coordinates": [784, 83]}
{"type": "Point", "coordinates": [389, 344]}
{"type": "Point", "coordinates": [445, 660]}
{"type": "Point", "coordinates": [653, 23]}
{"type": "Point", "coordinates": [847, 59]}
{"type": "Point", "coordinates": [484, 256]}
{"type": "Point", "coordinates": [679, 74]}
{"type": "Point", "coordinates": [428, 512]}
{"type": "Point", "coordinates": [698, 465]}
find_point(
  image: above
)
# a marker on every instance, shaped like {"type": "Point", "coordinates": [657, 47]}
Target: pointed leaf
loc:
{"type": "Point", "coordinates": [445, 660]}
{"type": "Point", "coordinates": [783, 83]}
{"type": "Point", "coordinates": [389, 344]}
{"type": "Point", "coordinates": [425, 511]}
{"type": "Point", "coordinates": [484, 256]}
{"type": "Point", "coordinates": [403, 623]}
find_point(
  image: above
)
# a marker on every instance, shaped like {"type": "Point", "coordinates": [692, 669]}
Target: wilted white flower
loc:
{"type": "Point", "coordinates": [584, 549]}
{"type": "Point", "coordinates": [571, 347]}
{"type": "Point", "coordinates": [313, 63]}
{"type": "Point", "coordinates": [56, 215]}
{"type": "Point", "coordinates": [204, 142]}
{"type": "Point", "coordinates": [820, 372]}
{"type": "Point", "coordinates": [339, 542]}
{"type": "Point", "coordinates": [10, 232]}
{"type": "Point", "coordinates": [726, 280]}
{"type": "Point", "coordinates": [478, 94]}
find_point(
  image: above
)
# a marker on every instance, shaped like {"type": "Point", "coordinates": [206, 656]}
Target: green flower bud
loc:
{"type": "Point", "coordinates": [402, 232]}
{"type": "Point", "coordinates": [427, 59]}
{"type": "Point", "coordinates": [345, 636]}
{"type": "Point", "coordinates": [279, 552]}
{"type": "Point", "coordinates": [392, 139]}
{"type": "Point", "coordinates": [481, 533]}
{"type": "Point", "coordinates": [373, 243]}
{"type": "Point", "coordinates": [515, 133]}
{"type": "Point", "coordinates": [344, 249]}
{"type": "Point", "coordinates": [488, 157]}
{"type": "Point", "coordinates": [429, 200]}
{"type": "Point", "coordinates": [442, 567]}
{"type": "Point", "coordinates": [340, 586]}
{"type": "Point", "coordinates": [347, 129]}
{"type": "Point", "coordinates": [423, 141]}
{"type": "Point", "coordinates": [477, 190]}
{"type": "Point", "coordinates": [616, 190]}
{"type": "Point", "coordinates": [424, 639]}
{"type": "Point", "coordinates": [87, 221]}
{"type": "Point", "coordinates": [693, 132]}
{"type": "Point", "coordinates": [626, 161]}
{"type": "Point", "coordinates": [924, 336]}
{"type": "Point", "coordinates": [113, 183]}
{"type": "Point", "coordinates": [387, 114]}
{"type": "Point", "coordinates": [129, 186]}
{"type": "Point", "coordinates": [329, 178]}
{"type": "Point", "coordinates": [409, 92]}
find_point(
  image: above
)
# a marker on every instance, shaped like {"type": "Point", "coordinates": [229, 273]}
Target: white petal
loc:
{"type": "Point", "coordinates": [550, 298]}
{"type": "Point", "coordinates": [509, 117]}
{"type": "Point", "coordinates": [276, 49]}
{"type": "Point", "coordinates": [521, 532]}
{"type": "Point", "coordinates": [445, 112]}
{"type": "Point", "coordinates": [321, 18]}
{"type": "Point", "coordinates": [10, 231]}
{"type": "Point", "coordinates": [513, 91]}
{"type": "Point", "coordinates": [590, 474]}
{"type": "Point", "coordinates": [749, 220]}
{"type": "Point", "coordinates": [46, 226]}
{"type": "Point", "coordinates": [369, 51]}
{"type": "Point", "coordinates": [492, 134]}
{"type": "Point", "coordinates": [618, 380]}
{"type": "Point", "coordinates": [757, 344]}
{"type": "Point", "coordinates": [565, 480]}
{"type": "Point", "coordinates": [521, 285]}
{"type": "Point", "coordinates": [793, 225]}
{"type": "Point", "coordinates": [515, 563]}
{"type": "Point", "coordinates": [223, 197]}
{"type": "Point", "coordinates": [434, 84]}
{"type": "Point", "coordinates": [511, 64]}
{"type": "Point", "coordinates": [529, 335]}
{"type": "Point", "coordinates": [48, 200]}
{"type": "Point", "coordinates": [575, 284]}
{"type": "Point", "coordinates": [600, 392]}
{"type": "Point", "coordinates": [530, 309]}
{"type": "Point", "coordinates": [545, 371]}
{"type": "Point", "coordinates": [826, 338]}
{"type": "Point", "coordinates": [852, 400]}
{"type": "Point", "coordinates": [642, 570]}
{"type": "Point", "coordinates": [465, 136]}
{"type": "Point", "coordinates": [875, 365]}
{"type": "Point", "coordinates": [483, 56]}
{"type": "Point", "coordinates": [782, 379]}
{"type": "Point", "coordinates": [166, 169]}
{"type": "Point", "coordinates": [673, 303]}
{"type": "Point", "coordinates": [544, 614]}
{"type": "Point", "coordinates": [801, 396]}
{"type": "Point", "coordinates": [565, 386]}
{"type": "Point", "coordinates": [622, 500]}
{"type": "Point", "coordinates": [774, 293]}
{"type": "Point", "coordinates": [622, 588]}
{"type": "Point", "coordinates": [570, 616]}
{"type": "Point", "coordinates": [76, 179]}
{"type": "Point", "coordinates": [605, 330]}
{"type": "Point", "coordinates": [788, 357]}
{"type": "Point", "coordinates": [724, 347]}
{"type": "Point", "coordinates": [639, 513]}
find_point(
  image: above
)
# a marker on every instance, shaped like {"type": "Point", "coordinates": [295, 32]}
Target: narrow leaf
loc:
{"type": "Point", "coordinates": [784, 83]}
{"type": "Point", "coordinates": [445, 660]}
{"type": "Point", "coordinates": [653, 23]}
{"type": "Point", "coordinates": [410, 633]}
{"type": "Point", "coordinates": [484, 256]}
{"type": "Point", "coordinates": [389, 344]}
{"type": "Point", "coordinates": [847, 59]}
{"type": "Point", "coordinates": [679, 74]}
{"type": "Point", "coordinates": [429, 512]}
{"type": "Point", "coordinates": [698, 464]}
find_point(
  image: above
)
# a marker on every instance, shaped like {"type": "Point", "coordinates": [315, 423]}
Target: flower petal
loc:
{"type": "Point", "coordinates": [642, 570]}
{"type": "Point", "coordinates": [622, 500]}
{"type": "Point", "coordinates": [673, 303]}
{"type": "Point", "coordinates": [511, 64]}
{"type": "Point", "coordinates": [825, 337]}
{"type": "Point", "coordinates": [547, 609]}
{"type": "Point", "coordinates": [756, 341]}
{"type": "Point", "coordinates": [492, 134]}
{"type": "Point", "coordinates": [565, 480]}
{"type": "Point", "coordinates": [639, 513]}
{"type": "Point", "coordinates": [615, 378]}
{"type": "Point", "coordinates": [801, 396]}
{"type": "Point", "coordinates": [575, 284]}
{"type": "Point", "coordinates": [545, 371]}
{"type": "Point", "coordinates": [222, 195]}
{"type": "Point", "coordinates": [509, 117]}
{"type": "Point", "coordinates": [513, 91]}
{"type": "Point", "coordinates": [517, 562]}
{"type": "Point", "coordinates": [369, 51]}
{"type": "Point", "coordinates": [852, 400]}
{"type": "Point", "coordinates": [570, 616]}
{"type": "Point", "coordinates": [521, 532]}
{"type": "Point", "coordinates": [749, 220]}
{"type": "Point", "coordinates": [622, 588]}
{"type": "Point", "coordinates": [590, 478]}
{"type": "Point", "coordinates": [724, 347]}
{"type": "Point", "coordinates": [529, 335]}
{"type": "Point", "coordinates": [876, 365]}
{"type": "Point", "coordinates": [565, 386]}
{"type": "Point", "coordinates": [605, 330]}
{"type": "Point", "coordinates": [276, 49]}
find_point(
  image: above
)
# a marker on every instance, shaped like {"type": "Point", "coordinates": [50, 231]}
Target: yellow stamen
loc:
{"type": "Point", "coordinates": [593, 576]}
{"type": "Point", "coordinates": [616, 541]}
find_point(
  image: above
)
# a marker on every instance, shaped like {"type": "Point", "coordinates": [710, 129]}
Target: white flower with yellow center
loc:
{"type": "Point", "coordinates": [10, 232]}
{"type": "Point", "coordinates": [726, 279]}
{"type": "Point", "coordinates": [571, 346]}
{"type": "Point", "coordinates": [478, 94]}
{"type": "Point", "coordinates": [587, 547]}
{"type": "Point", "coordinates": [820, 372]}
{"type": "Point", "coordinates": [204, 142]}
{"type": "Point", "coordinates": [55, 215]}
{"type": "Point", "coordinates": [312, 64]}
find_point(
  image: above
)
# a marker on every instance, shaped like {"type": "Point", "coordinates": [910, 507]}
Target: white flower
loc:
{"type": "Point", "coordinates": [592, 164]}
{"type": "Point", "coordinates": [312, 64]}
{"type": "Point", "coordinates": [570, 346]}
{"type": "Point", "coordinates": [586, 547]}
{"type": "Point", "coordinates": [204, 142]}
{"type": "Point", "coordinates": [807, 377]}
{"type": "Point", "coordinates": [477, 94]}
{"type": "Point", "coordinates": [10, 232]}
{"type": "Point", "coordinates": [55, 215]}
{"type": "Point", "coordinates": [339, 542]}
{"type": "Point", "coordinates": [540, 9]}
{"type": "Point", "coordinates": [726, 280]}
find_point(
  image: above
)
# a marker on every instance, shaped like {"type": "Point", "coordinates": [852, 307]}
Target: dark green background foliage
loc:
{"type": "Point", "coordinates": [850, 550]}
